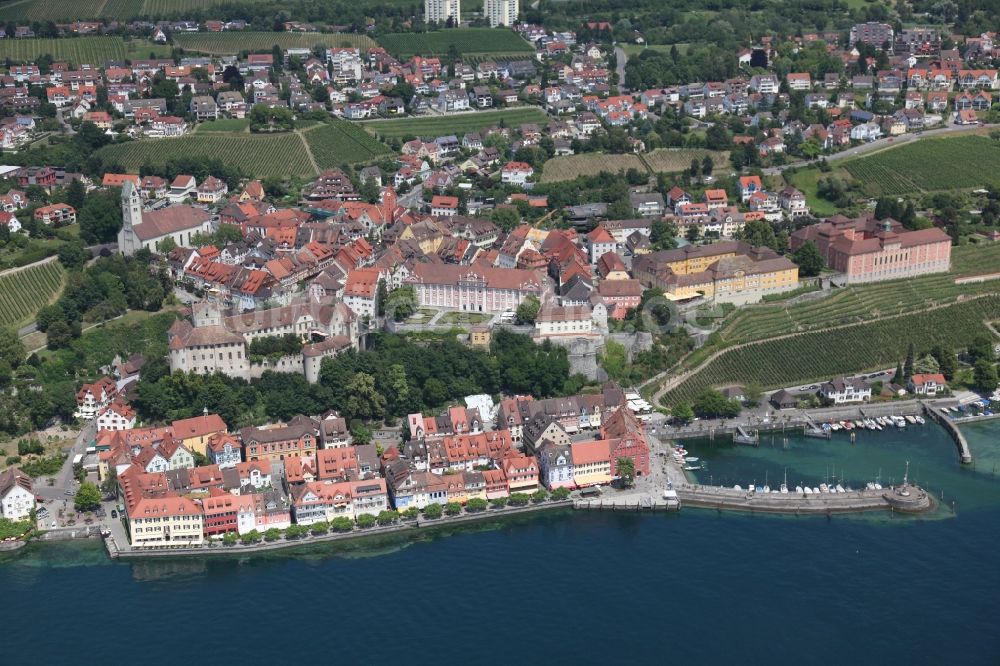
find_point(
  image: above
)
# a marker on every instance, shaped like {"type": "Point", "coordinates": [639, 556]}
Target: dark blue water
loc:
{"type": "Point", "coordinates": [699, 587]}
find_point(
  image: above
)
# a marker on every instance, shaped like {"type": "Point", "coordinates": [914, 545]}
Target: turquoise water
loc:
{"type": "Point", "coordinates": [699, 587]}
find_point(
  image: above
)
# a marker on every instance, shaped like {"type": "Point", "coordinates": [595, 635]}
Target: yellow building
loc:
{"type": "Point", "coordinates": [165, 521]}
{"type": "Point", "coordinates": [591, 463]}
{"type": "Point", "coordinates": [480, 336]}
{"type": "Point", "coordinates": [194, 433]}
{"type": "Point", "coordinates": [730, 272]}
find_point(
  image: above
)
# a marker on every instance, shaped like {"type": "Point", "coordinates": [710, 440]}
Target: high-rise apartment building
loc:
{"type": "Point", "coordinates": [439, 11]}
{"type": "Point", "coordinates": [501, 12]}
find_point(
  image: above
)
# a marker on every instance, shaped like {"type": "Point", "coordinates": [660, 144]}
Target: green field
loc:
{"type": "Point", "coordinates": [466, 40]}
{"type": "Point", "coordinates": [635, 49]}
{"type": "Point", "coordinates": [223, 125]}
{"type": "Point", "coordinates": [849, 305]}
{"type": "Point", "coordinates": [807, 181]}
{"type": "Point", "coordinates": [257, 155]}
{"type": "Point", "coordinates": [976, 259]}
{"type": "Point", "coordinates": [429, 127]}
{"type": "Point", "coordinates": [78, 50]}
{"type": "Point", "coordinates": [24, 292]}
{"type": "Point", "coordinates": [821, 355]}
{"type": "Point", "coordinates": [231, 43]}
{"type": "Point", "coordinates": [56, 10]}
{"type": "Point", "coordinates": [931, 164]}
{"type": "Point", "coordinates": [340, 142]}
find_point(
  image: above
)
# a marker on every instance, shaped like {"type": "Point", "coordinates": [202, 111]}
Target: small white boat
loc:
{"type": "Point", "coordinates": [737, 487]}
{"type": "Point", "coordinates": [878, 486]}
{"type": "Point", "coordinates": [784, 489]}
{"type": "Point", "coordinates": [823, 488]}
{"type": "Point", "coordinates": [843, 424]}
{"type": "Point", "coordinates": [692, 468]}
{"type": "Point", "coordinates": [691, 459]}
{"type": "Point", "coordinates": [911, 419]}
{"type": "Point", "coordinates": [767, 489]}
{"type": "Point", "coordinates": [869, 486]}
{"type": "Point", "coordinates": [920, 419]}
{"type": "Point", "coordinates": [840, 489]}
{"type": "Point", "coordinates": [835, 427]}
{"type": "Point", "coordinates": [815, 490]}
{"type": "Point", "coordinates": [809, 490]}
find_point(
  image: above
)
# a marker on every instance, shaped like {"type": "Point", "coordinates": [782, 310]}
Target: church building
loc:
{"type": "Point", "coordinates": [144, 229]}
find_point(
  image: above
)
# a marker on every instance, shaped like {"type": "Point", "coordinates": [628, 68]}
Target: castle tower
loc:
{"type": "Point", "coordinates": [128, 242]}
{"type": "Point", "coordinates": [206, 313]}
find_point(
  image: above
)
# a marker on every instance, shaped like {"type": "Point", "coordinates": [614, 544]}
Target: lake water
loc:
{"type": "Point", "coordinates": [565, 587]}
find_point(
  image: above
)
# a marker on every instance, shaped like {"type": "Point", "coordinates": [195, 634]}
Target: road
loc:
{"type": "Point", "coordinates": [63, 480]}
{"type": "Point", "coordinates": [413, 198]}
{"type": "Point", "coordinates": [621, 59]}
{"type": "Point", "coordinates": [879, 144]}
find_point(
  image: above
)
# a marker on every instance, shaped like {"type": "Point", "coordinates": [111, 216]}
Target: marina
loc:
{"type": "Point", "coordinates": [905, 498]}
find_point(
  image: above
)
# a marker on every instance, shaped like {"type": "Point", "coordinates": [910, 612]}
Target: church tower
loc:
{"type": "Point", "coordinates": [128, 241]}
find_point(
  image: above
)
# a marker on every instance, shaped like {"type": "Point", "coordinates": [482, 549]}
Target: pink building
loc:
{"type": "Point", "coordinates": [869, 250]}
{"type": "Point", "coordinates": [473, 288]}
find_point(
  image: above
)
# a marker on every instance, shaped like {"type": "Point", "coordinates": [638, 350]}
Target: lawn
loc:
{"type": "Point", "coordinates": [258, 155]}
{"type": "Point", "coordinates": [422, 316]}
{"type": "Point", "coordinates": [24, 291]}
{"type": "Point", "coordinates": [223, 125]}
{"type": "Point", "coordinates": [340, 142]}
{"type": "Point", "coordinates": [231, 43]}
{"type": "Point", "coordinates": [464, 318]}
{"type": "Point", "coordinates": [568, 167]}
{"type": "Point", "coordinates": [429, 127]}
{"type": "Point", "coordinates": [931, 164]}
{"type": "Point", "coordinates": [466, 40]}
{"type": "Point", "coordinates": [807, 180]}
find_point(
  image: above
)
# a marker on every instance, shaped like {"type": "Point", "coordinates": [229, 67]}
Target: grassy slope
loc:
{"type": "Point", "coordinates": [432, 126]}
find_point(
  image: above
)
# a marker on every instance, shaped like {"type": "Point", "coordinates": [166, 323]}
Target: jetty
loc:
{"type": "Point", "coordinates": [905, 498]}
{"type": "Point", "coordinates": [741, 436]}
{"type": "Point", "coordinates": [964, 453]}
{"type": "Point", "coordinates": [670, 502]}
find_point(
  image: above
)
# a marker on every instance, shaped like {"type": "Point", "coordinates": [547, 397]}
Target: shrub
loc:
{"type": "Point", "coordinates": [386, 517]}
{"type": "Point", "coordinates": [365, 520]}
{"type": "Point", "coordinates": [476, 505]}
{"type": "Point", "coordinates": [518, 499]}
{"type": "Point", "coordinates": [560, 493]}
{"type": "Point", "coordinates": [320, 528]}
{"type": "Point", "coordinates": [342, 524]}
{"type": "Point", "coordinates": [453, 508]}
{"type": "Point", "coordinates": [433, 511]}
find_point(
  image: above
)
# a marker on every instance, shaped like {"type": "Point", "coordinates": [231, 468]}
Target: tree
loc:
{"type": "Point", "coordinates": [908, 366]}
{"type": "Point", "coordinates": [364, 402]}
{"type": "Point", "coordinates": [809, 259]}
{"type": "Point", "coordinates": [560, 493]}
{"type": "Point", "coordinates": [476, 504]}
{"type": "Point", "coordinates": [253, 536]}
{"type": "Point", "coordinates": [539, 496]}
{"type": "Point", "coordinates": [626, 471]}
{"type": "Point", "coordinates": [518, 499]}
{"type": "Point", "coordinates": [365, 520]}
{"type": "Point", "coordinates": [11, 348]}
{"type": "Point", "coordinates": [386, 517]}
{"type": "Point", "coordinates": [320, 528]}
{"type": "Point", "coordinates": [707, 165]}
{"type": "Point", "coordinates": [230, 538]}
{"type": "Point", "coordinates": [381, 297]}
{"type": "Point", "coordinates": [411, 513]}
{"type": "Point", "coordinates": [369, 190]}
{"type": "Point", "coordinates": [453, 508]}
{"type": "Point", "coordinates": [682, 412]}
{"type": "Point", "coordinates": [73, 255]}
{"type": "Point", "coordinates": [527, 311]}
{"type": "Point", "coordinates": [712, 404]}
{"type": "Point", "coordinates": [59, 334]}
{"type": "Point", "coordinates": [76, 193]}
{"type": "Point", "coordinates": [947, 361]}
{"type": "Point", "coordinates": [692, 233]}
{"type": "Point", "coordinates": [753, 393]}
{"type": "Point", "coordinates": [272, 534]}
{"type": "Point", "coordinates": [695, 168]}
{"type": "Point", "coordinates": [433, 511]}
{"type": "Point", "coordinates": [984, 376]}
{"type": "Point", "coordinates": [88, 497]}
{"type": "Point", "coordinates": [505, 218]}
{"type": "Point", "coordinates": [981, 347]}
{"type": "Point", "coordinates": [296, 531]}
{"type": "Point", "coordinates": [898, 377]}
{"type": "Point", "coordinates": [663, 234]}
{"type": "Point", "coordinates": [498, 502]}
{"type": "Point", "coordinates": [342, 524]}
{"type": "Point", "coordinates": [101, 218]}
{"type": "Point", "coordinates": [402, 303]}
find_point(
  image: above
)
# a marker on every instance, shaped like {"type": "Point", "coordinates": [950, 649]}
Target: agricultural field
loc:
{"type": "Point", "coordinates": [849, 305]}
{"type": "Point", "coordinates": [232, 43]}
{"type": "Point", "coordinates": [670, 160]}
{"type": "Point", "coordinates": [434, 126]}
{"type": "Point", "coordinates": [24, 291]}
{"type": "Point", "coordinates": [568, 167]}
{"type": "Point", "coordinates": [931, 164]}
{"type": "Point", "coordinates": [818, 355]}
{"type": "Point", "coordinates": [56, 10]}
{"type": "Point", "coordinates": [466, 40]}
{"type": "Point", "coordinates": [78, 50]}
{"type": "Point", "coordinates": [341, 142]}
{"type": "Point", "coordinates": [223, 125]}
{"type": "Point", "coordinates": [975, 259]}
{"type": "Point", "coordinates": [257, 155]}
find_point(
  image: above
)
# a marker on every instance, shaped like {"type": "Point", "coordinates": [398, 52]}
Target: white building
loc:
{"type": "Point", "coordinates": [17, 500]}
{"type": "Point", "coordinates": [572, 320]}
{"type": "Point", "coordinates": [843, 390]}
{"type": "Point", "coordinates": [146, 229]}
{"type": "Point", "coordinates": [439, 11]}
{"type": "Point", "coordinates": [116, 416]}
{"type": "Point", "coordinates": [501, 12]}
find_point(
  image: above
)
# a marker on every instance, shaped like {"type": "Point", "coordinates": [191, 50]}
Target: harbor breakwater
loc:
{"type": "Point", "coordinates": [906, 498]}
